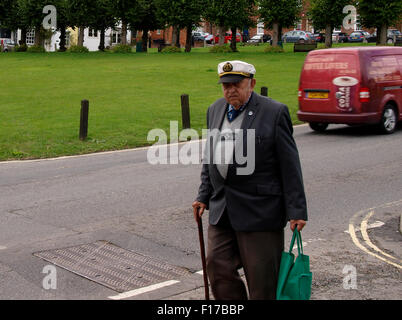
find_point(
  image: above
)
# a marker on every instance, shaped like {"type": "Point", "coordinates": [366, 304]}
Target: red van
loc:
{"type": "Point", "coordinates": [359, 85]}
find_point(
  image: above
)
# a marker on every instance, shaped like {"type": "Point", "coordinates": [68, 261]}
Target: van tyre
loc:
{"type": "Point", "coordinates": [318, 126]}
{"type": "Point", "coordinates": [388, 120]}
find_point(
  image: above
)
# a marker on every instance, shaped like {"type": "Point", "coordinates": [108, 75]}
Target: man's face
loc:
{"type": "Point", "coordinates": [238, 93]}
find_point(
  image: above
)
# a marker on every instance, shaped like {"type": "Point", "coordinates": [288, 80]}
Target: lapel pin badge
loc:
{"type": "Point", "coordinates": [250, 113]}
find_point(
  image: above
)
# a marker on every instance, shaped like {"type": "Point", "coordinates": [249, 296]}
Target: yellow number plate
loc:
{"type": "Point", "coordinates": [318, 95]}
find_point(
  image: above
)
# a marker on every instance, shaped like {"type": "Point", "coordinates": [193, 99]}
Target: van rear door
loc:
{"type": "Point", "coordinates": [329, 83]}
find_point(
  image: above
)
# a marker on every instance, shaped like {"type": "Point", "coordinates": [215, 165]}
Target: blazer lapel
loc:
{"type": "Point", "coordinates": [217, 119]}
{"type": "Point", "coordinates": [251, 112]}
{"type": "Point", "coordinates": [216, 123]}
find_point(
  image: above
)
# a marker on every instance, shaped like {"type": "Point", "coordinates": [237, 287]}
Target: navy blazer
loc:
{"type": "Point", "coordinates": [274, 193]}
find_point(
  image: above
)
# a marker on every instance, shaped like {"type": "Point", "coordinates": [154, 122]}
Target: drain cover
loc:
{"type": "Point", "coordinates": [116, 268]}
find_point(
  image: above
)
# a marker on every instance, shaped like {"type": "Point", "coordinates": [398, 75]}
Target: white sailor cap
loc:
{"type": "Point", "coordinates": [235, 71]}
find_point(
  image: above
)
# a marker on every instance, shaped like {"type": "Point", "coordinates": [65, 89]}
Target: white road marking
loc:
{"type": "Point", "coordinates": [136, 292]}
{"type": "Point", "coordinates": [373, 225]}
{"type": "Point", "coordinates": [111, 152]}
{"type": "Point", "coordinates": [3, 248]}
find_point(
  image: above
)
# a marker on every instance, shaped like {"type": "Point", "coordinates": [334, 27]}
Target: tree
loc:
{"type": "Point", "coordinates": [82, 14]}
{"type": "Point", "coordinates": [126, 11]}
{"type": "Point", "coordinates": [380, 14]}
{"type": "Point", "coordinates": [327, 14]}
{"type": "Point", "coordinates": [104, 19]}
{"type": "Point", "coordinates": [146, 19]}
{"type": "Point", "coordinates": [10, 17]}
{"type": "Point", "coordinates": [231, 14]}
{"type": "Point", "coordinates": [278, 14]}
{"type": "Point", "coordinates": [63, 21]}
{"type": "Point", "coordinates": [181, 14]}
{"type": "Point", "coordinates": [31, 15]}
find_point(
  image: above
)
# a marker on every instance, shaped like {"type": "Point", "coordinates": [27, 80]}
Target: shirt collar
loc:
{"type": "Point", "coordinates": [231, 107]}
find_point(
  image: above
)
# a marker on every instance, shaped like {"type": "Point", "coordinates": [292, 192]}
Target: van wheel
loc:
{"type": "Point", "coordinates": [388, 120]}
{"type": "Point", "coordinates": [318, 126]}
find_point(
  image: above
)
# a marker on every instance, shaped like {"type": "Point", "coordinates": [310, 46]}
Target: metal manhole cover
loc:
{"type": "Point", "coordinates": [116, 268]}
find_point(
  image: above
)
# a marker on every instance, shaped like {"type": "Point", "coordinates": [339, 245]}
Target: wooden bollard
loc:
{"type": "Point", "coordinates": [185, 111]}
{"type": "Point", "coordinates": [84, 119]}
{"type": "Point", "coordinates": [264, 91]}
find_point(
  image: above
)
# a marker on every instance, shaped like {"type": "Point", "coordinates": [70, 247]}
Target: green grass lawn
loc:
{"type": "Point", "coordinates": [129, 95]}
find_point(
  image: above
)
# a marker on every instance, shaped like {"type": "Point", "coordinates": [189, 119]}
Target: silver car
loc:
{"type": "Point", "coordinates": [296, 35]}
{"type": "Point", "coordinates": [8, 45]}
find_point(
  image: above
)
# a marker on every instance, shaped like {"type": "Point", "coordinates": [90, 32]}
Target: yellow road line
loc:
{"type": "Point", "coordinates": [359, 245]}
{"type": "Point", "coordinates": [363, 229]}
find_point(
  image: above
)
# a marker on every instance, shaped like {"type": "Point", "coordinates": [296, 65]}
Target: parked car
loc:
{"type": "Point", "coordinates": [356, 37]}
{"type": "Point", "coordinates": [210, 38]}
{"type": "Point", "coordinates": [372, 37]}
{"type": "Point", "coordinates": [319, 37]}
{"type": "Point", "coordinates": [228, 37]}
{"type": "Point", "coordinates": [296, 35]}
{"type": "Point", "coordinates": [340, 37]}
{"type": "Point", "coordinates": [7, 45]}
{"type": "Point", "coordinates": [356, 85]}
{"type": "Point", "coordinates": [198, 36]}
{"type": "Point", "coordinates": [392, 35]}
{"type": "Point", "coordinates": [260, 38]}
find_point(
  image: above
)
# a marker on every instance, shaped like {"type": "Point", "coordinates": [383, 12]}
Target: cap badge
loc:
{"type": "Point", "coordinates": [227, 67]}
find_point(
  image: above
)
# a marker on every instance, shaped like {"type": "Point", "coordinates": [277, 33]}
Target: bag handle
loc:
{"type": "Point", "coordinates": [296, 236]}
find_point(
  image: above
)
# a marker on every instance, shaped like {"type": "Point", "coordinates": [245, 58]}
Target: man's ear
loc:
{"type": "Point", "coordinates": [252, 84]}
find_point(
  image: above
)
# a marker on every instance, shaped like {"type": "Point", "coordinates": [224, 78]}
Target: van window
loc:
{"type": "Point", "coordinates": [385, 68]}
{"type": "Point", "coordinates": [332, 65]}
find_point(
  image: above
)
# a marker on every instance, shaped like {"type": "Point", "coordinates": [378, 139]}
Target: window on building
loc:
{"type": "Point", "coordinates": [5, 33]}
{"type": "Point", "coordinates": [158, 31]}
{"type": "Point", "coordinates": [67, 38]}
{"type": "Point", "coordinates": [358, 25]}
{"type": "Point", "coordinates": [93, 33]}
{"type": "Point", "coordinates": [31, 37]}
{"type": "Point", "coordinates": [260, 27]}
{"type": "Point", "coordinates": [116, 37]}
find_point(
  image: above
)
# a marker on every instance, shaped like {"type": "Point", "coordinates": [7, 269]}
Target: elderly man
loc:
{"type": "Point", "coordinates": [248, 212]}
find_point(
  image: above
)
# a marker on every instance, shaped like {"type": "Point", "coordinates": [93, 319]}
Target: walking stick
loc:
{"type": "Point", "coordinates": [204, 264]}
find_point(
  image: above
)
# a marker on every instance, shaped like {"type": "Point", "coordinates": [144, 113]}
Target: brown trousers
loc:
{"type": "Point", "coordinates": [259, 253]}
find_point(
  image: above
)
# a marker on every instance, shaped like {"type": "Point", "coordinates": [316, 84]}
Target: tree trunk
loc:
{"type": "Point", "coordinates": [145, 40]}
{"type": "Point", "coordinates": [328, 36]}
{"type": "Point", "coordinates": [23, 36]}
{"type": "Point", "coordinates": [133, 39]}
{"type": "Point", "coordinates": [189, 39]}
{"type": "Point", "coordinates": [178, 37]}
{"type": "Point", "coordinates": [174, 35]}
{"type": "Point", "coordinates": [62, 38]}
{"type": "Point", "coordinates": [221, 31]}
{"type": "Point", "coordinates": [80, 36]}
{"type": "Point", "coordinates": [275, 34]}
{"type": "Point", "coordinates": [124, 32]}
{"type": "Point", "coordinates": [383, 35]}
{"type": "Point", "coordinates": [38, 38]}
{"type": "Point", "coordinates": [102, 41]}
{"type": "Point", "coordinates": [378, 32]}
{"type": "Point", "coordinates": [233, 41]}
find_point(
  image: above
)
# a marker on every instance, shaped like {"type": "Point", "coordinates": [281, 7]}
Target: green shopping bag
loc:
{"type": "Point", "coordinates": [294, 281]}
